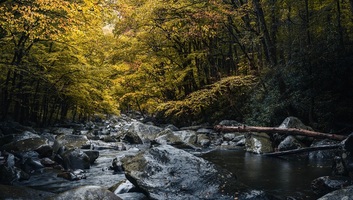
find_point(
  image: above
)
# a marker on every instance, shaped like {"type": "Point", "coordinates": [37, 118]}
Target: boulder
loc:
{"type": "Point", "coordinates": [92, 154]}
{"type": "Point", "coordinates": [165, 172]}
{"type": "Point", "coordinates": [23, 193]}
{"type": "Point", "coordinates": [229, 123]}
{"type": "Point", "coordinates": [290, 143]}
{"type": "Point", "coordinates": [71, 142]}
{"type": "Point", "coordinates": [324, 157]}
{"type": "Point", "coordinates": [75, 159]}
{"type": "Point", "coordinates": [168, 137]}
{"type": "Point", "coordinates": [133, 196]}
{"type": "Point", "coordinates": [293, 122]}
{"type": "Point", "coordinates": [326, 184]}
{"type": "Point", "coordinates": [341, 194]}
{"type": "Point", "coordinates": [203, 140]}
{"type": "Point", "coordinates": [139, 133]}
{"type": "Point", "coordinates": [40, 145]}
{"type": "Point", "coordinates": [258, 143]}
{"type": "Point", "coordinates": [187, 136]}
{"type": "Point", "coordinates": [87, 193]}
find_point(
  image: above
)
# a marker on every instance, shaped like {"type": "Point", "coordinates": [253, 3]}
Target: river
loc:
{"type": "Point", "coordinates": [284, 177]}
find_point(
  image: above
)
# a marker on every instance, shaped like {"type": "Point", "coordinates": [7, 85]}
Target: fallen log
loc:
{"type": "Point", "coordinates": [303, 150]}
{"type": "Point", "coordinates": [272, 130]}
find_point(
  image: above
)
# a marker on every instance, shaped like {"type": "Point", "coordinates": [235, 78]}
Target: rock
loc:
{"type": "Point", "coordinates": [133, 196]}
{"type": "Point", "coordinates": [10, 127]}
{"type": "Point", "coordinates": [40, 145]}
{"type": "Point", "coordinates": [293, 122]}
{"type": "Point", "coordinates": [203, 140]}
{"type": "Point", "coordinates": [258, 143]}
{"type": "Point", "coordinates": [290, 143]}
{"type": "Point", "coordinates": [139, 133]}
{"type": "Point", "coordinates": [229, 123]}
{"type": "Point", "coordinates": [229, 136]}
{"type": "Point", "coordinates": [323, 157]}
{"type": "Point", "coordinates": [205, 131]}
{"type": "Point", "coordinates": [326, 184]}
{"type": "Point", "coordinates": [117, 166]}
{"type": "Point", "coordinates": [75, 159]}
{"type": "Point", "coordinates": [87, 193]}
{"type": "Point", "coordinates": [63, 131]}
{"type": "Point", "coordinates": [187, 136]}
{"type": "Point", "coordinates": [23, 193]}
{"type": "Point", "coordinates": [171, 127]}
{"type": "Point", "coordinates": [92, 154]}
{"type": "Point", "coordinates": [125, 187]}
{"type": "Point", "coordinates": [341, 194]}
{"type": "Point", "coordinates": [71, 142]}
{"type": "Point", "coordinates": [165, 172]}
{"type": "Point", "coordinates": [73, 175]}
{"type": "Point", "coordinates": [168, 137]}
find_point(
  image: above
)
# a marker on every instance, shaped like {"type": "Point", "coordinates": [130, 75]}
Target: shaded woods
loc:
{"type": "Point", "coordinates": [182, 61]}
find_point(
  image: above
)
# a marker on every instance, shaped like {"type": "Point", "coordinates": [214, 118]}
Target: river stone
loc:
{"type": "Point", "coordinates": [133, 196]}
{"type": "Point", "coordinates": [40, 145]}
{"type": "Point", "coordinates": [92, 154]}
{"type": "Point", "coordinates": [63, 131]}
{"type": "Point", "coordinates": [323, 156]}
{"type": "Point", "coordinates": [23, 193]}
{"type": "Point", "coordinates": [139, 133]}
{"type": "Point", "coordinates": [75, 159]}
{"type": "Point", "coordinates": [86, 193]}
{"type": "Point", "coordinates": [341, 194]}
{"type": "Point", "coordinates": [258, 143]}
{"type": "Point", "coordinates": [289, 143]}
{"type": "Point", "coordinates": [326, 184]}
{"type": "Point", "coordinates": [168, 137]}
{"type": "Point", "coordinates": [187, 136]}
{"type": "Point", "coordinates": [165, 172]}
{"type": "Point", "coordinates": [293, 122]}
{"type": "Point", "coordinates": [203, 140]}
{"type": "Point", "coordinates": [71, 142]}
{"type": "Point", "coordinates": [229, 123]}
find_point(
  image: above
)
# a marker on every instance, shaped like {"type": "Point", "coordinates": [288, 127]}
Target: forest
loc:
{"type": "Point", "coordinates": [179, 61]}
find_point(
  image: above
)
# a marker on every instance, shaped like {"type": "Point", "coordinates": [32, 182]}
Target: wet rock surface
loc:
{"type": "Point", "coordinates": [165, 172]}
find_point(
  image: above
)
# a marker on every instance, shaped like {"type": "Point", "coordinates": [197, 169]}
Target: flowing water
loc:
{"type": "Point", "coordinates": [275, 175]}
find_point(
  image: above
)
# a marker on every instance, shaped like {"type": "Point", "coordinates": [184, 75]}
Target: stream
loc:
{"type": "Point", "coordinates": [275, 175]}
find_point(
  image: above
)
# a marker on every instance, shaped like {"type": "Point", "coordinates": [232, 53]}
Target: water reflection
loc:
{"type": "Point", "coordinates": [278, 176]}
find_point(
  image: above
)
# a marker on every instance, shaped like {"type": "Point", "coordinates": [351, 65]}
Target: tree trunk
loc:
{"type": "Point", "coordinates": [303, 150]}
{"type": "Point", "coordinates": [291, 131]}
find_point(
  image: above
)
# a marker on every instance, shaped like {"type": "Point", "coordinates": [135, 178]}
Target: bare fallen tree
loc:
{"type": "Point", "coordinates": [303, 150]}
{"type": "Point", "coordinates": [273, 130]}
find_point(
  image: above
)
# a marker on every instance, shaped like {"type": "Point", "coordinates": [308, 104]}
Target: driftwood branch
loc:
{"type": "Point", "coordinates": [272, 130]}
{"type": "Point", "coordinates": [303, 150]}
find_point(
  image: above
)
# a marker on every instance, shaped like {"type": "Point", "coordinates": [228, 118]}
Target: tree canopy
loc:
{"type": "Point", "coordinates": [257, 61]}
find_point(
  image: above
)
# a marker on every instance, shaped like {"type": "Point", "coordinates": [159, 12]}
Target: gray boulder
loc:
{"type": "Point", "coordinates": [258, 143]}
{"type": "Point", "coordinates": [342, 194]}
{"type": "Point", "coordinates": [289, 143]}
{"type": "Point", "coordinates": [23, 193]}
{"type": "Point", "coordinates": [139, 133]}
{"type": "Point", "coordinates": [165, 172]}
{"type": "Point", "coordinates": [86, 193]}
{"type": "Point", "coordinates": [68, 142]}
{"type": "Point", "coordinates": [76, 159]}
{"type": "Point", "coordinates": [326, 184]}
